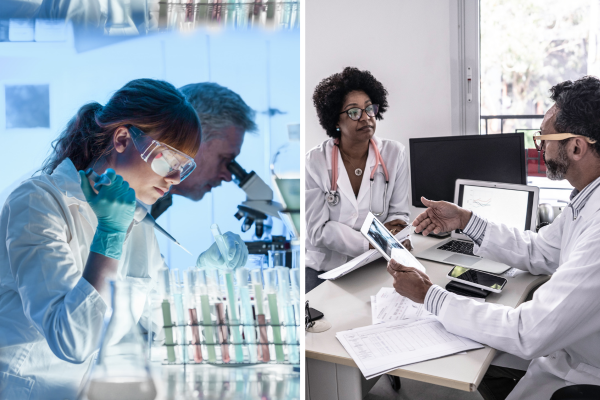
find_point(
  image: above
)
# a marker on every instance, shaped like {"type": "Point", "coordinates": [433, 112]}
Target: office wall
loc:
{"type": "Point", "coordinates": [263, 67]}
{"type": "Point", "coordinates": [404, 43]}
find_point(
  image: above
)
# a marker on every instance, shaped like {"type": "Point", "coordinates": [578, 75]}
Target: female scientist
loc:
{"type": "Point", "coordinates": [62, 239]}
{"type": "Point", "coordinates": [351, 174]}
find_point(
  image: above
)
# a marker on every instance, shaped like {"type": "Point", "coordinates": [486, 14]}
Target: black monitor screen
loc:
{"type": "Point", "coordinates": [436, 163]}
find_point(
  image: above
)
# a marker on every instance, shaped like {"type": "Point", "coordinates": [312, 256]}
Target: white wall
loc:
{"type": "Point", "coordinates": [262, 67]}
{"type": "Point", "coordinates": [406, 46]}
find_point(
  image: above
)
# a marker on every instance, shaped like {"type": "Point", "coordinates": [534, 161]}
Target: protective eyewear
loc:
{"type": "Point", "coordinates": [538, 138]}
{"type": "Point", "coordinates": [355, 113]}
{"type": "Point", "coordinates": [165, 160]}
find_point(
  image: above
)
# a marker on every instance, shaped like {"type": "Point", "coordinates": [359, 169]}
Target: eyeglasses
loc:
{"type": "Point", "coordinates": [165, 160]}
{"type": "Point", "coordinates": [355, 113]}
{"type": "Point", "coordinates": [537, 136]}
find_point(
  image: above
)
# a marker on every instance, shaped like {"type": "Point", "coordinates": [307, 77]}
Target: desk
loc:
{"type": "Point", "coordinates": [346, 303]}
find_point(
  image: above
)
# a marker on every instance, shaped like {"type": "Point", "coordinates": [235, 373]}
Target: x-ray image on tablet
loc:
{"type": "Point", "coordinates": [383, 240]}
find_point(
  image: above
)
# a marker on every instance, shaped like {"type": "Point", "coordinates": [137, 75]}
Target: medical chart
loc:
{"type": "Point", "coordinates": [377, 349]}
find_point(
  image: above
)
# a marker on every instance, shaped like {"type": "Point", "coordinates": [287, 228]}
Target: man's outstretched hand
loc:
{"type": "Point", "coordinates": [441, 216]}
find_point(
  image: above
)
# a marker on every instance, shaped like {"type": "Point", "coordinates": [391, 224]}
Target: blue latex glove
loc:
{"type": "Point", "coordinates": [114, 206]}
{"type": "Point", "coordinates": [238, 254]}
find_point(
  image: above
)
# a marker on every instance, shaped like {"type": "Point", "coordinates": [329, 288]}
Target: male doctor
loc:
{"type": "Point", "coordinates": [560, 328]}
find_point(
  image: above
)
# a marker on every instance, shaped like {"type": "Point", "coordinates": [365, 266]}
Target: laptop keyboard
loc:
{"type": "Point", "coordinates": [457, 246]}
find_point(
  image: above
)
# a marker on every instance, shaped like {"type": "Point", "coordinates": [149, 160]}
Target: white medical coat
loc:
{"type": "Point", "coordinates": [333, 232]}
{"type": "Point", "coordinates": [50, 317]}
{"type": "Point", "coordinates": [560, 328]}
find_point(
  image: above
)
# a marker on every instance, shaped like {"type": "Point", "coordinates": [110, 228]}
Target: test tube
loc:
{"type": "Point", "coordinates": [192, 288]}
{"type": "Point", "coordinates": [295, 277]}
{"type": "Point", "coordinates": [213, 286]}
{"type": "Point", "coordinates": [271, 289]}
{"type": "Point", "coordinates": [166, 311]}
{"type": "Point", "coordinates": [209, 334]}
{"type": "Point", "coordinates": [234, 322]}
{"type": "Point", "coordinates": [283, 275]}
{"type": "Point", "coordinates": [181, 320]}
{"type": "Point", "coordinates": [246, 313]}
{"type": "Point", "coordinates": [257, 284]}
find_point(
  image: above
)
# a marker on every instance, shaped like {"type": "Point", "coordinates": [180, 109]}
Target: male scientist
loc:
{"type": "Point", "coordinates": [559, 330]}
{"type": "Point", "coordinates": [224, 118]}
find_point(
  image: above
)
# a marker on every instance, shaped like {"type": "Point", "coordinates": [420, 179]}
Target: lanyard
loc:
{"type": "Point", "coordinates": [334, 164]}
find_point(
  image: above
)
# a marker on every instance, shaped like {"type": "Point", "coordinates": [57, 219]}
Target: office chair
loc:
{"type": "Point", "coordinates": [577, 392]}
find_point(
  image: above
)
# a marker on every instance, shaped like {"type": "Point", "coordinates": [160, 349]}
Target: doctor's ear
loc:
{"type": "Point", "coordinates": [121, 139]}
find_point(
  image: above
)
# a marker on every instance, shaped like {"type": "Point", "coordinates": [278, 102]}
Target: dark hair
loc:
{"type": "Point", "coordinates": [331, 92]}
{"type": "Point", "coordinates": [578, 106]}
{"type": "Point", "coordinates": [155, 107]}
{"type": "Point", "coordinates": [218, 107]}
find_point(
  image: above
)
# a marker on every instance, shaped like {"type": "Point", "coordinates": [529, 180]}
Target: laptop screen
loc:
{"type": "Point", "coordinates": [508, 206]}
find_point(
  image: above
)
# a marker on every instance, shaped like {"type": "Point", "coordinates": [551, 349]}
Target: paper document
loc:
{"type": "Point", "coordinates": [390, 306]}
{"type": "Point", "coordinates": [362, 260]}
{"type": "Point", "coordinates": [377, 349]}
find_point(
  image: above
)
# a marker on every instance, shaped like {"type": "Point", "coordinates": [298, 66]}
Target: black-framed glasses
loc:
{"type": "Point", "coordinates": [355, 112]}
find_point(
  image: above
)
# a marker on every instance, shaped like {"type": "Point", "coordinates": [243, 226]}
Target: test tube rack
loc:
{"type": "Point", "coordinates": [278, 352]}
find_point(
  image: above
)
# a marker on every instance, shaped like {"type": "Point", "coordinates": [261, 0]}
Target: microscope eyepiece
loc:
{"type": "Point", "coordinates": [237, 170]}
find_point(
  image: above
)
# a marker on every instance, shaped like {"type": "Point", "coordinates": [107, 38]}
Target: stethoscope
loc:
{"type": "Point", "coordinates": [333, 197]}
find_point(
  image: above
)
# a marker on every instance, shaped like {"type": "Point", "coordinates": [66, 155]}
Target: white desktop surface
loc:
{"type": "Point", "coordinates": [346, 303]}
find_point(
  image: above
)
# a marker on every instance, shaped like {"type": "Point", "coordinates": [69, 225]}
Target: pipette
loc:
{"type": "Point", "coordinates": [141, 213]}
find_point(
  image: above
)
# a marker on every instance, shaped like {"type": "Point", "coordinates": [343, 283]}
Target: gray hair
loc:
{"type": "Point", "coordinates": [218, 108]}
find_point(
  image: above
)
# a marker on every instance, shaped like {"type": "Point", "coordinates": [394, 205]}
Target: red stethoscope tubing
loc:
{"type": "Point", "coordinates": [334, 164]}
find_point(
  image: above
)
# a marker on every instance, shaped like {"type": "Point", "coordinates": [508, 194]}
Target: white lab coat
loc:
{"type": "Point", "coordinates": [560, 328]}
{"type": "Point", "coordinates": [50, 317]}
{"type": "Point", "coordinates": [333, 232]}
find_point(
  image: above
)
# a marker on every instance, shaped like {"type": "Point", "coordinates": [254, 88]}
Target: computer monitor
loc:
{"type": "Point", "coordinates": [436, 163]}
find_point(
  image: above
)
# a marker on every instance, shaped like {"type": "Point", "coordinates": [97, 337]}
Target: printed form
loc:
{"type": "Point", "coordinates": [378, 349]}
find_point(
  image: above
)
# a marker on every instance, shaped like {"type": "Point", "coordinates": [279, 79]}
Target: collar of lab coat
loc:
{"type": "Point", "coordinates": [67, 180]}
{"type": "Point", "coordinates": [343, 181]}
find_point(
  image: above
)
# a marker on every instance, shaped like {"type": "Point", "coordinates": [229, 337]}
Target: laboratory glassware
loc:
{"type": "Point", "coordinates": [234, 322]}
{"type": "Point", "coordinates": [122, 369]}
{"type": "Point", "coordinates": [165, 287]}
{"type": "Point", "coordinates": [276, 258]}
{"type": "Point", "coordinates": [193, 301]}
{"type": "Point", "coordinates": [271, 290]}
{"type": "Point", "coordinates": [246, 313]}
{"type": "Point", "coordinates": [257, 285]}
{"type": "Point", "coordinates": [283, 276]}
{"type": "Point", "coordinates": [207, 323]}
{"type": "Point", "coordinates": [177, 291]}
{"type": "Point", "coordinates": [285, 170]}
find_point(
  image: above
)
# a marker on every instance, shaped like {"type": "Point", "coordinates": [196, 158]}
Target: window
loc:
{"type": "Point", "coordinates": [526, 47]}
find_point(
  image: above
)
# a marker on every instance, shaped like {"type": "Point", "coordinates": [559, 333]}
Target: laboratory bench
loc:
{"type": "Point", "coordinates": [262, 382]}
{"type": "Point", "coordinates": [330, 371]}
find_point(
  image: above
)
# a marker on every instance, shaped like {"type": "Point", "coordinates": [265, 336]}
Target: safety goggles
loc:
{"type": "Point", "coordinates": [165, 160]}
{"type": "Point", "coordinates": [355, 113]}
{"type": "Point", "coordinates": [539, 139]}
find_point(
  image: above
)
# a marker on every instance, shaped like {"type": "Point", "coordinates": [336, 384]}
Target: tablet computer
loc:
{"type": "Point", "coordinates": [383, 241]}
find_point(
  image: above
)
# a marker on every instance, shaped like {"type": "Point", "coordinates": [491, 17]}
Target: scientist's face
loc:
{"type": "Point", "coordinates": [127, 162]}
{"type": "Point", "coordinates": [554, 151]}
{"type": "Point", "coordinates": [361, 130]}
{"type": "Point", "coordinates": [211, 163]}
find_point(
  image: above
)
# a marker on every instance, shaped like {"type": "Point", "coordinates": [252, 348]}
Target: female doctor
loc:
{"type": "Point", "coordinates": [62, 239]}
{"type": "Point", "coordinates": [351, 174]}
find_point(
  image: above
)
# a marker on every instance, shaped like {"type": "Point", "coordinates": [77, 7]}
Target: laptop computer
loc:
{"type": "Point", "coordinates": [513, 205]}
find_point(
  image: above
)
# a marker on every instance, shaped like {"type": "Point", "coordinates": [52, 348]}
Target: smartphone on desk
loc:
{"type": "Point", "coordinates": [479, 279]}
